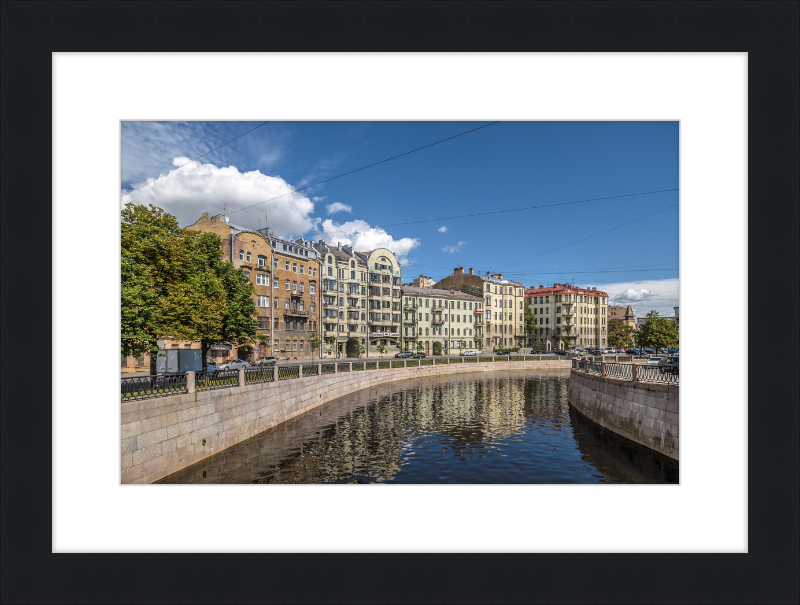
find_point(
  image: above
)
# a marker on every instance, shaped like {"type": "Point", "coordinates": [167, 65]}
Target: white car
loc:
{"type": "Point", "coordinates": [469, 353]}
{"type": "Point", "coordinates": [233, 364]}
{"type": "Point", "coordinates": [653, 361]}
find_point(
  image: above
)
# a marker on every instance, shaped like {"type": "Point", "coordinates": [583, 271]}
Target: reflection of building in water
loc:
{"type": "Point", "coordinates": [365, 436]}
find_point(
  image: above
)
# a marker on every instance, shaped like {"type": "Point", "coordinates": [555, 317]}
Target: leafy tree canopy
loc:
{"type": "Point", "coordinates": [657, 332]}
{"type": "Point", "coordinates": [530, 320]}
{"type": "Point", "coordinates": [175, 284]}
{"type": "Point", "coordinates": [619, 334]}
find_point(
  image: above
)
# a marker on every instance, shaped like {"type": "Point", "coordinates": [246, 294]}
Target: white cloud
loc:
{"type": "Point", "coordinates": [337, 207]}
{"type": "Point", "coordinates": [452, 249]}
{"type": "Point", "coordinates": [363, 237]}
{"type": "Point", "coordinates": [198, 188]}
{"type": "Point", "coordinates": [442, 229]}
{"type": "Point", "coordinates": [319, 199]}
{"type": "Point", "coordinates": [649, 295]}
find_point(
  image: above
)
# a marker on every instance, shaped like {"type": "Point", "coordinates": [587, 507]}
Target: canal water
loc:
{"type": "Point", "coordinates": [501, 427]}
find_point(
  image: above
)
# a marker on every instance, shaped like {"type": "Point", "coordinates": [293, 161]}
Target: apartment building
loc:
{"type": "Point", "coordinates": [285, 277]}
{"type": "Point", "coordinates": [579, 314]}
{"type": "Point", "coordinates": [452, 317]}
{"type": "Point", "coordinates": [383, 300]}
{"type": "Point", "coordinates": [344, 299]}
{"type": "Point", "coordinates": [504, 299]}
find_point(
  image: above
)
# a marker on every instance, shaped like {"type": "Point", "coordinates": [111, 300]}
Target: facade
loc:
{"type": "Point", "coordinates": [344, 299]}
{"type": "Point", "coordinates": [504, 320]}
{"type": "Point", "coordinates": [579, 314]}
{"type": "Point", "coordinates": [383, 301]}
{"type": "Point", "coordinates": [452, 317]}
{"type": "Point", "coordinates": [284, 274]}
{"type": "Point", "coordinates": [423, 282]}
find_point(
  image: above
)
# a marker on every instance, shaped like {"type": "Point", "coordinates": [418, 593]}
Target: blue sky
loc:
{"type": "Point", "coordinates": [501, 167]}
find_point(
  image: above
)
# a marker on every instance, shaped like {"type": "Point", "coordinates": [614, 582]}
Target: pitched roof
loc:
{"type": "Point", "coordinates": [439, 292]}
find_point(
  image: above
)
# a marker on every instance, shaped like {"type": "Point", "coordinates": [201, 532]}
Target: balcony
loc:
{"type": "Point", "coordinates": [410, 307]}
{"type": "Point", "coordinates": [296, 294]}
{"type": "Point", "coordinates": [295, 313]}
{"type": "Point", "coordinates": [437, 321]}
{"type": "Point", "coordinates": [330, 305]}
{"type": "Point", "coordinates": [411, 320]}
{"type": "Point", "coordinates": [568, 311]}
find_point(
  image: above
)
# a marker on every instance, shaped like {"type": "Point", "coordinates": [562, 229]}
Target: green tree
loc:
{"type": "Point", "coordinates": [565, 340]}
{"type": "Point", "coordinates": [331, 343]}
{"type": "Point", "coordinates": [359, 350]}
{"type": "Point", "coordinates": [420, 347]}
{"type": "Point", "coordinates": [538, 344]}
{"type": "Point", "coordinates": [657, 332]}
{"type": "Point", "coordinates": [381, 348]}
{"type": "Point", "coordinates": [437, 347]}
{"type": "Point", "coordinates": [194, 294]}
{"type": "Point", "coordinates": [620, 335]}
{"type": "Point", "coordinates": [530, 321]}
{"type": "Point", "coordinates": [314, 342]}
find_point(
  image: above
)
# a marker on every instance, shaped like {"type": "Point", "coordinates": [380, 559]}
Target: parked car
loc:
{"type": "Point", "coordinates": [211, 367]}
{"type": "Point", "coordinates": [653, 361]}
{"type": "Point", "coordinates": [419, 355]}
{"type": "Point", "coordinates": [233, 364]}
{"type": "Point", "coordinates": [469, 353]}
{"type": "Point", "coordinates": [548, 352]}
{"type": "Point", "coordinates": [669, 365]}
{"type": "Point", "coordinates": [672, 351]}
{"type": "Point", "coordinates": [503, 352]}
{"type": "Point", "coordinates": [265, 361]}
{"type": "Point", "coordinates": [403, 354]}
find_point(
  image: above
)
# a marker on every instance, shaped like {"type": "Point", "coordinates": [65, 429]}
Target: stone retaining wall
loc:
{"type": "Point", "coordinates": [644, 412]}
{"type": "Point", "coordinates": [163, 435]}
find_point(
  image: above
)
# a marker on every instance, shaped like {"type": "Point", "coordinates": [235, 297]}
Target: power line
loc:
{"type": "Point", "coordinates": [448, 218]}
{"type": "Point", "coordinates": [365, 167]}
{"type": "Point", "coordinates": [591, 236]}
{"type": "Point", "coordinates": [197, 158]}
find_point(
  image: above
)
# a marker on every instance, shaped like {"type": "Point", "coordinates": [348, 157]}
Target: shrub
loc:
{"type": "Point", "coordinates": [437, 348]}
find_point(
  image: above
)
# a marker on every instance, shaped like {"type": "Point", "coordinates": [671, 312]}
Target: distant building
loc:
{"type": "Point", "coordinates": [423, 282]}
{"type": "Point", "coordinates": [452, 317]}
{"type": "Point", "coordinates": [579, 314]}
{"type": "Point", "coordinates": [503, 298]}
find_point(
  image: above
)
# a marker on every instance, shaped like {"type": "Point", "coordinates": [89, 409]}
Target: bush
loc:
{"type": "Point", "coordinates": [437, 348]}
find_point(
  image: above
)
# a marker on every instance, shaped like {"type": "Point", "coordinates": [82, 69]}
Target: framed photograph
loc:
{"type": "Point", "coordinates": [75, 75]}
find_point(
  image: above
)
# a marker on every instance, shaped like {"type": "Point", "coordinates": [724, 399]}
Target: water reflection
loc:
{"type": "Point", "coordinates": [503, 427]}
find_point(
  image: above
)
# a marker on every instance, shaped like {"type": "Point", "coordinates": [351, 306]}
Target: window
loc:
{"type": "Point", "coordinates": [247, 275]}
{"type": "Point", "coordinates": [294, 267]}
{"type": "Point", "coordinates": [263, 301]}
{"type": "Point", "coordinates": [262, 261]}
{"type": "Point", "coordinates": [275, 284]}
{"type": "Point", "coordinates": [248, 257]}
{"type": "Point", "coordinates": [286, 307]}
{"type": "Point", "coordinates": [294, 286]}
{"type": "Point", "coordinates": [261, 279]}
{"type": "Point", "coordinates": [312, 288]}
{"type": "Point", "coordinates": [352, 274]}
{"type": "Point", "coordinates": [330, 260]}
{"type": "Point", "coordinates": [241, 254]}
{"type": "Point", "coordinates": [301, 269]}
{"type": "Point", "coordinates": [275, 263]}
{"type": "Point", "coordinates": [352, 264]}
{"type": "Point", "coordinates": [287, 284]}
{"type": "Point", "coordinates": [263, 323]}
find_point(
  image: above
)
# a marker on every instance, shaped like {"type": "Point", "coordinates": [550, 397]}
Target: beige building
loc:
{"type": "Point", "coordinates": [579, 314]}
{"type": "Point", "coordinates": [383, 300]}
{"type": "Point", "coordinates": [452, 317]}
{"type": "Point", "coordinates": [423, 282]}
{"type": "Point", "coordinates": [504, 304]}
{"type": "Point", "coordinates": [344, 299]}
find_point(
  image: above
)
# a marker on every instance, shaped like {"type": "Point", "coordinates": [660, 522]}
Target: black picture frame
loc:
{"type": "Point", "coordinates": [767, 31]}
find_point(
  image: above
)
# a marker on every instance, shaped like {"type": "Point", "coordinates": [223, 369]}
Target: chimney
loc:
{"type": "Point", "coordinates": [471, 271]}
{"type": "Point", "coordinates": [541, 286]}
{"type": "Point", "coordinates": [339, 245]}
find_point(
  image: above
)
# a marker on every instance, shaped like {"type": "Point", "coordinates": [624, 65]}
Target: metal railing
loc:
{"type": "Point", "coordinates": [144, 387]}
{"type": "Point", "coordinates": [264, 374]}
{"type": "Point", "coordinates": [223, 379]}
{"type": "Point", "coordinates": [312, 370]}
{"type": "Point", "coordinates": [667, 374]}
{"type": "Point", "coordinates": [620, 370]}
{"type": "Point", "coordinates": [288, 372]}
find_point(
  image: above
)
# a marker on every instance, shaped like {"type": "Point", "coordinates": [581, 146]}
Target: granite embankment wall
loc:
{"type": "Point", "coordinates": [164, 435]}
{"type": "Point", "coordinates": [644, 412]}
